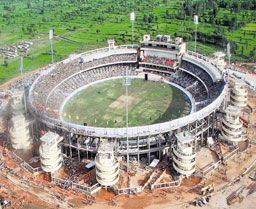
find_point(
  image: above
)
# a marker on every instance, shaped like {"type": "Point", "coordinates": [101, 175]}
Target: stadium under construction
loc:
{"type": "Point", "coordinates": [216, 118]}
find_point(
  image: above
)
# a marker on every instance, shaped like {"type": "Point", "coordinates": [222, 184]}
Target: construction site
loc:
{"type": "Point", "coordinates": [205, 159]}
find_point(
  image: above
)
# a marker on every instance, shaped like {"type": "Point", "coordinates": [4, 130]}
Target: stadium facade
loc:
{"type": "Point", "coordinates": [202, 78]}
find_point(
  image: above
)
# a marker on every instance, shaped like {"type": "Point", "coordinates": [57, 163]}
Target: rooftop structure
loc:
{"type": "Point", "coordinates": [165, 42]}
{"type": "Point", "coordinates": [163, 50]}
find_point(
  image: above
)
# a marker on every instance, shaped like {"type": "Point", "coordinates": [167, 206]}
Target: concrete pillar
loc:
{"type": "Point", "coordinates": [19, 132]}
{"type": "Point", "coordinates": [148, 151]}
{"type": "Point", "coordinates": [107, 166]}
{"type": "Point", "coordinates": [138, 155]}
{"type": "Point", "coordinates": [50, 153]}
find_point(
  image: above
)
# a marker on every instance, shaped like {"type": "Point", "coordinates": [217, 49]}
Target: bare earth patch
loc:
{"type": "Point", "coordinates": [121, 101]}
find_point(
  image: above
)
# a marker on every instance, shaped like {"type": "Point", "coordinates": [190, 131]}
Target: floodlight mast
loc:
{"type": "Point", "coordinates": [21, 72]}
{"type": "Point", "coordinates": [132, 18]}
{"type": "Point", "coordinates": [21, 65]}
{"type": "Point", "coordinates": [126, 83]}
{"type": "Point", "coordinates": [229, 55]}
{"type": "Point", "coordinates": [196, 23]}
{"type": "Point", "coordinates": [51, 37]}
{"type": "Point", "coordinates": [126, 91]}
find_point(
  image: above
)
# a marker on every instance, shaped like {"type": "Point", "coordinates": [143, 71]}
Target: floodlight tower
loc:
{"type": "Point", "coordinates": [51, 37]}
{"type": "Point", "coordinates": [126, 83]}
{"type": "Point", "coordinates": [132, 18]}
{"type": "Point", "coordinates": [21, 72]}
{"type": "Point", "coordinates": [196, 23]}
{"type": "Point", "coordinates": [228, 53]}
{"type": "Point", "coordinates": [21, 65]}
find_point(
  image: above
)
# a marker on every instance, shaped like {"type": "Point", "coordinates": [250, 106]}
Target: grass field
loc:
{"type": "Point", "coordinates": [103, 104]}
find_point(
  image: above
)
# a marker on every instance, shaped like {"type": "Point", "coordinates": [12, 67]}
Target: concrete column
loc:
{"type": "Point", "coordinates": [213, 121]}
{"type": "Point", "coordinates": [50, 153]}
{"type": "Point", "coordinates": [148, 151]}
{"type": "Point", "coordinates": [208, 125]}
{"type": "Point", "coordinates": [70, 148]}
{"type": "Point", "coordinates": [78, 149]}
{"type": "Point", "coordinates": [159, 152]}
{"type": "Point", "coordinates": [107, 172]}
{"type": "Point", "coordinates": [138, 155]}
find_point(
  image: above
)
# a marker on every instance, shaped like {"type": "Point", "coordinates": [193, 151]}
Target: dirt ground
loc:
{"type": "Point", "coordinates": [121, 102]}
{"type": "Point", "coordinates": [36, 191]}
{"type": "Point", "coordinates": [204, 157]}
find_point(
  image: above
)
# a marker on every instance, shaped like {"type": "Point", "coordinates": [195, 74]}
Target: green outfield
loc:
{"type": "Point", "coordinates": [104, 104]}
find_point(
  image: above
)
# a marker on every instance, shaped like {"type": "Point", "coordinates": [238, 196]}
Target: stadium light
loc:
{"type": "Point", "coordinates": [21, 65]}
{"type": "Point", "coordinates": [21, 72]}
{"type": "Point", "coordinates": [196, 23]}
{"type": "Point", "coordinates": [126, 83]}
{"type": "Point", "coordinates": [132, 18]}
{"type": "Point", "coordinates": [228, 53]}
{"type": "Point", "coordinates": [51, 37]}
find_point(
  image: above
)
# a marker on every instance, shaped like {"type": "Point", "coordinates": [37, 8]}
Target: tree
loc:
{"type": "Point", "coordinates": [5, 63]}
{"type": "Point", "coordinates": [156, 18]}
{"type": "Point", "coordinates": [29, 29]}
{"type": "Point", "coordinates": [150, 18]}
{"type": "Point", "coordinates": [211, 19]}
{"type": "Point", "coordinates": [225, 20]}
{"type": "Point", "coordinates": [215, 11]}
{"type": "Point", "coordinates": [252, 53]}
{"type": "Point", "coordinates": [234, 21]}
{"type": "Point", "coordinates": [167, 13]}
{"type": "Point", "coordinates": [145, 18]}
